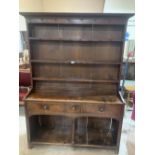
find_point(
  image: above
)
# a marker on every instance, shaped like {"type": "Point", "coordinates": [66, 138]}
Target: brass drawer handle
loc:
{"type": "Point", "coordinates": [45, 107]}
{"type": "Point", "coordinates": [102, 108]}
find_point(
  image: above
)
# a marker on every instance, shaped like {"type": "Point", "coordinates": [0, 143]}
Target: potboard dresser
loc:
{"type": "Point", "coordinates": [75, 68]}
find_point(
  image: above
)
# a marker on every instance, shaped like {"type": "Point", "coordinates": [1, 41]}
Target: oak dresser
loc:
{"type": "Point", "coordinates": [76, 63]}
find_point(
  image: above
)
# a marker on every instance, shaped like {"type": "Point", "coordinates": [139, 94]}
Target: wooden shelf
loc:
{"type": "Point", "coordinates": [71, 40]}
{"type": "Point", "coordinates": [54, 136]}
{"type": "Point", "coordinates": [42, 96]}
{"type": "Point", "coordinates": [74, 80]}
{"type": "Point", "coordinates": [75, 62]}
{"type": "Point", "coordinates": [74, 24]}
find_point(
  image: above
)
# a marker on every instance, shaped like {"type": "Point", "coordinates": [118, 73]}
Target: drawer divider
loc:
{"type": "Point", "coordinates": [73, 130]}
{"type": "Point", "coordinates": [87, 130]}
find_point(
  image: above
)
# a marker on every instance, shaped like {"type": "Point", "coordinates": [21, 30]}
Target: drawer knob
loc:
{"type": "Point", "coordinates": [101, 109]}
{"type": "Point", "coordinates": [45, 107]}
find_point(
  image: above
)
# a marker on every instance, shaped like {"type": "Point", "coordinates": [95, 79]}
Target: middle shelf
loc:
{"type": "Point", "coordinates": [76, 62]}
{"type": "Point", "coordinates": [74, 80]}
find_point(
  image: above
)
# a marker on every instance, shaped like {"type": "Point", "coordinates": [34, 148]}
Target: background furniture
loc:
{"type": "Point", "coordinates": [24, 84]}
{"type": "Point", "coordinates": [75, 67]}
{"type": "Point", "coordinates": [128, 91]}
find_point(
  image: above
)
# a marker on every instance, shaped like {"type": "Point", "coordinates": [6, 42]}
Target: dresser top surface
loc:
{"type": "Point", "coordinates": [111, 99]}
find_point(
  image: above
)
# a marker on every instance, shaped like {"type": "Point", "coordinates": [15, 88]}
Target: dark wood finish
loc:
{"type": "Point", "coordinates": [75, 67]}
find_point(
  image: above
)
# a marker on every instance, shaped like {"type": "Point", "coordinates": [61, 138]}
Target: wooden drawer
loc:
{"type": "Point", "coordinates": [73, 108]}
{"type": "Point", "coordinates": [105, 110]}
{"type": "Point", "coordinates": [44, 108]}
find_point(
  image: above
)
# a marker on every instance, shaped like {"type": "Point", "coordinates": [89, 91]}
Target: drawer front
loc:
{"type": "Point", "coordinates": [105, 110]}
{"type": "Point", "coordinates": [44, 108]}
{"type": "Point", "coordinates": [73, 108]}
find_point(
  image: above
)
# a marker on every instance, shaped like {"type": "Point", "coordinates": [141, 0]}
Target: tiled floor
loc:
{"type": "Point", "coordinates": [128, 127]}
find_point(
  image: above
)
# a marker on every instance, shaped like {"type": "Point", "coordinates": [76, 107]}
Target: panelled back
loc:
{"type": "Point", "coordinates": [73, 89]}
{"type": "Point", "coordinates": [78, 32]}
{"type": "Point", "coordinates": [78, 51]}
{"type": "Point", "coordinates": [76, 71]}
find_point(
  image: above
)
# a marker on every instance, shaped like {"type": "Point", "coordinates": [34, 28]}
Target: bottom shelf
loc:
{"type": "Point", "coordinates": [96, 131]}
{"type": "Point", "coordinates": [97, 137]}
{"type": "Point", "coordinates": [52, 136]}
{"type": "Point", "coordinates": [79, 131]}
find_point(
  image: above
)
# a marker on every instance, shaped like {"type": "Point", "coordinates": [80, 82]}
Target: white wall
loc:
{"type": "Point", "coordinates": [30, 6]}
{"type": "Point", "coordinates": [119, 6]}
{"type": "Point", "coordinates": [22, 23]}
{"type": "Point", "coordinates": [61, 5]}
{"type": "Point", "coordinates": [73, 5]}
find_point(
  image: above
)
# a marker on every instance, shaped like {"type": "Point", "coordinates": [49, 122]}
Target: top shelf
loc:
{"type": "Point", "coordinates": [75, 24]}
{"type": "Point", "coordinates": [71, 40]}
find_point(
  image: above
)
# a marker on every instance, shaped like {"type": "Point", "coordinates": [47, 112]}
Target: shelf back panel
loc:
{"type": "Point", "coordinates": [67, 71]}
{"type": "Point", "coordinates": [76, 51]}
{"type": "Point", "coordinates": [78, 32]}
{"type": "Point", "coordinates": [74, 89]}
